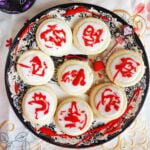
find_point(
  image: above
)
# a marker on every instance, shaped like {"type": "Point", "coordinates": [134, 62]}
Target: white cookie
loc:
{"type": "Point", "coordinates": [39, 105]}
{"type": "Point", "coordinates": [35, 68]}
{"type": "Point", "coordinates": [54, 37]}
{"type": "Point", "coordinates": [75, 77]}
{"type": "Point", "coordinates": [91, 36]}
{"type": "Point", "coordinates": [125, 68]}
{"type": "Point", "coordinates": [74, 116]}
{"type": "Point", "coordinates": [108, 101]}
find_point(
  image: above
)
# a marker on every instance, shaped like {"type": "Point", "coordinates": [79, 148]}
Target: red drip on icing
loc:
{"type": "Point", "coordinates": [40, 99]}
{"type": "Point", "coordinates": [91, 36]}
{"type": "Point", "coordinates": [127, 67]}
{"type": "Point", "coordinates": [98, 66]}
{"type": "Point", "coordinates": [80, 78]}
{"type": "Point", "coordinates": [52, 35]}
{"type": "Point", "coordinates": [74, 76]}
{"type": "Point", "coordinates": [73, 117]}
{"type": "Point", "coordinates": [110, 100]}
{"type": "Point", "coordinates": [23, 65]}
{"type": "Point", "coordinates": [37, 67]}
{"type": "Point", "coordinates": [82, 9]}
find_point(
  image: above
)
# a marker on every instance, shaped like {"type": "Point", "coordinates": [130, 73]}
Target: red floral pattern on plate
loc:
{"type": "Point", "coordinates": [9, 42]}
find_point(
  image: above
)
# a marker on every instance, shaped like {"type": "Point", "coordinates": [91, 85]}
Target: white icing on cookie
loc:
{"type": "Point", "coordinates": [109, 101]}
{"type": "Point", "coordinates": [39, 105]}
{"type": "Point", "coordinates": [54, 37]}
{"type": "Point", "coordinates": [125, 68]}
{"type": "Point", "coordinates": [35, 68]}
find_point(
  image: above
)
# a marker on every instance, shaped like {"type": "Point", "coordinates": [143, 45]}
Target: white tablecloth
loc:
{"type": "Point", "coordinates": [14, 136]}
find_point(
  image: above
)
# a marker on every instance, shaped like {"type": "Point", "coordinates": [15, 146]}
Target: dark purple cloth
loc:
{"type": "Point", "coordinates": [15, 6]}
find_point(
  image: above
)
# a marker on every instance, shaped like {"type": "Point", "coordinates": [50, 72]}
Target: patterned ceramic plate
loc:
{"type": "Point", "coordinates": [123, 36]}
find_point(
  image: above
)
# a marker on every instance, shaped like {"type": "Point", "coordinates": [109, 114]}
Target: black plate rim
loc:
{"type": "Point", "coordinates": [16, 41]}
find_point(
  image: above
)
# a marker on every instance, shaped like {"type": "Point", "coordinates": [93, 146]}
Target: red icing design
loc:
{"type": "Point", "coordinates": [108, 128]}
{"type": "Point", "coordinates": [75, 117]}
{"type": "Point", "coordinates": [98, 66]}
{"type": "Point", "coordinates": [127, 67]}
{"type": "Point", "coordinates": [52, 35]}
{"type": "Point", "coordinates": [109, 99]}
{"type": "Point", "coordinates": [82, 9]}
{"type": "Point", "coordinates": [74, 76]}
{"type": "Point", "coordinates": [16, 87]}
{"type": "Point", "coordinates": [40, 99]}
{"type": "Point", "coordinates": [50, 132]}
{"type": "Point", "coordinates": [91, 36]}
{"type": "Point", "coordinates": [37, 67]}
{"type": "Point", "coordinates": [74, 11]}
{"type": "Point", "coordinates": [25, 31]}
{"type": "Point", "coordinates": [114, 125]}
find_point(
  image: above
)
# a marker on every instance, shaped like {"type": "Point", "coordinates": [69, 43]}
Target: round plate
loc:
{"type": "Point", "coordinates": [123, 36]}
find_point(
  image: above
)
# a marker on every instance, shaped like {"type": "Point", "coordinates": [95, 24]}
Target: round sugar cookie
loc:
{"type": "Point", "coordinates": [39, 105]}
{"type": "Point", "coordinates": [125, 68]}
{"type": "Point", "coordinates": [75, 77]}
{"type": "Point", "coordinates": [108, 101]}
{"type": "Point", "coordinates": [54, 37]}
{"type": "Point", "coordinates": [74, 116]}
{"type": "Point", "coordinates": [35, 67]}
{"type": "Point", "coordinates": [91, 36]}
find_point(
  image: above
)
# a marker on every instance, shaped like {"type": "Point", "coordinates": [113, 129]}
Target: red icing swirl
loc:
{"type": "Point", "coordinates": [54, 36]}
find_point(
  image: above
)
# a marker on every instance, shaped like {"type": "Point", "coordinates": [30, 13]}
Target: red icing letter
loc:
{"type": "Point", "coordinates": [91, 36]}
{"type": "Point", "coordinates": [109, 99]}
{"type": "Point", "coordinates": [73, 117]}
{"type": "Point", "coordinates": [127, 67]}
{"type": "Point", "coordinates": [53, 35]}
{"type": "Point", "coordinates": [40, 99]}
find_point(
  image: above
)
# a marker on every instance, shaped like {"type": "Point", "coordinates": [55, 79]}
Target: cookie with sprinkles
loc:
{"type": "Point", "coordinates": [74, 116]}
{"type": "Point", "coordinates": [125, 68]}
{"type": "Point", "coordinates": [91, 36]}
{"type": "Point", "coordinates": [39, 105]}
{"type": "Point", "coordinates": [108, 101]}
{"type": "Point", "coordinates": [54, 37]}
{"type": "Point", "coordinates": [35, 67]}
{"type": "Point", "coordinates": [75, 77]}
